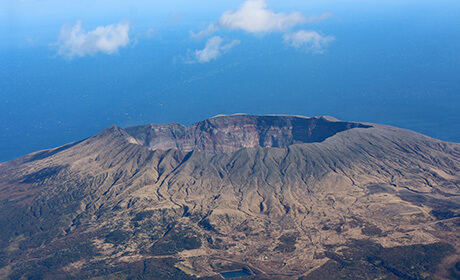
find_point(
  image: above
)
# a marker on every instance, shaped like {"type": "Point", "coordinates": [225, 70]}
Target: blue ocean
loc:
{"type": "Point", "coordinates": [396, 65]}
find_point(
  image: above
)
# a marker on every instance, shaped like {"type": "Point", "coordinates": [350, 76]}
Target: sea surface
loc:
{"type": "Point", "coordinates": [399, 67]}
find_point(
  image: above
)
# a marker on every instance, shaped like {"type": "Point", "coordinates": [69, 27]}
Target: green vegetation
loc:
{"type": "Point", "coordinates": [156, 220]}
{"type": "Point", "coordinates": [143, 215]}
{"type": "Point", "coordinates": [44, 174]}
{"type": "Point", "coordinates": [214, 243]}
{"type": "Point", "coordinates": [34, 229]}
{"type": "Point", "coordinates": [371, 230]}
{"type": "Point", "coordinates": [442, 214]}
{"type": "Point", "coordinates": [411, 262]}
{"type": "Point", "coordinates": [227, 266]}
{"type": "Point", "coordinates": [147, 269]}
{"type": "Point", "coordinates": [117, 237]}
{"type": "Point", "coordinates": [455, 271]}
{"type": "Point", "coordinates": [67, 256]}
{"type": "Point", "coordinates": [50, 267]}
{"type": "Point", "coordinates": [205, 224]}
{"type": "Point", "coordinates": [367, 260]}
{"type": "Point", "coordinates": [287, 243]}
{"type": "Point", "coordinates": [177, 240]}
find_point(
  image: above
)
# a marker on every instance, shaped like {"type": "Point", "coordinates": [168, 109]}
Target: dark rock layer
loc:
{"type": "Point", "coordinates": [223, 134]}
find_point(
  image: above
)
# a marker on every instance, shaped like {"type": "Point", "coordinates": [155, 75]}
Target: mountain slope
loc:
{"type": "Point", "coordinates": [281, 196]}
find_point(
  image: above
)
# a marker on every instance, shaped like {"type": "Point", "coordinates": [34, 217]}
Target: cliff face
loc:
{"type": "Point", "coordinates": [280, 195]}
{"type": "Point", "coordinates": [227, 134]}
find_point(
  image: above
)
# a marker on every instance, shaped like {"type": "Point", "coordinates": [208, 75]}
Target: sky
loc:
{"type": "Point", "coordinates": [69, 69]}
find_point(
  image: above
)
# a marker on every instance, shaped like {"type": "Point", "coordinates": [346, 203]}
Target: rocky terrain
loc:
{"type": "Point", "coordinates": [282, 197]}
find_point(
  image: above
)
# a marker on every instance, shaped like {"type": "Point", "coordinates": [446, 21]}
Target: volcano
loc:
{"type": "Point", "coordinates": [276, 197]}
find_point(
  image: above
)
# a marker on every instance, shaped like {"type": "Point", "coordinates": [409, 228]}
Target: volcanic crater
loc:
{"type": "Point", "coordinates": [283, 197]}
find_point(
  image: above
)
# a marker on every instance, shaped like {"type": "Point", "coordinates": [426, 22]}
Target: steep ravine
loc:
{"type": "Point", "coordinates": [284, 196]}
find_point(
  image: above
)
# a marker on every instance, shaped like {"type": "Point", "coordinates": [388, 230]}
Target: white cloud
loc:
{"type": "Point", "coordinates": [213, 49]}
{"type": "Point", "coordinates": [321, 17]}
{"type": "Point", "coordinates": [254, 17]}
{"type": "Point", "coordinates": [213, 27]}
{"type": "Point", "coordinates": [74, 41]}
{"type": "Point", "coordinates": [308, 40]}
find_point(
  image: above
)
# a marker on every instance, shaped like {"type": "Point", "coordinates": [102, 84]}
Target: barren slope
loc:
{"type": "Point", "coordinates": [279, 195]}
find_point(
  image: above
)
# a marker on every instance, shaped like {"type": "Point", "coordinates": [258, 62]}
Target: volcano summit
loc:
{"type": "Point", "coordinates": [279, 197]}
